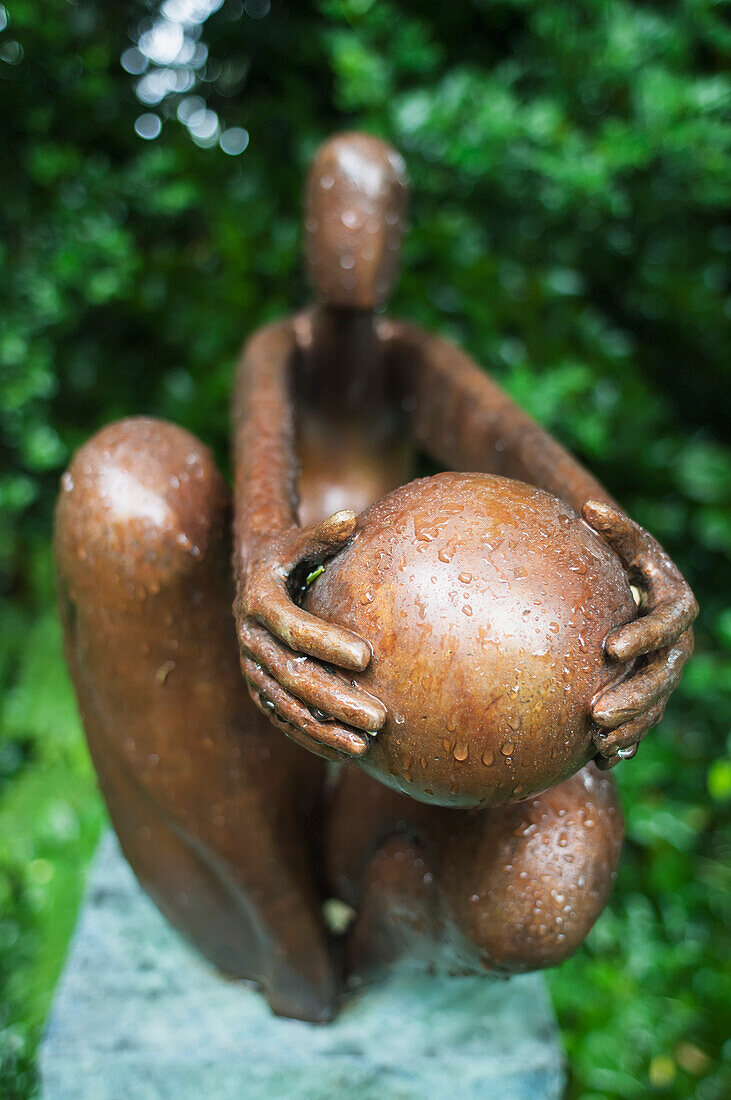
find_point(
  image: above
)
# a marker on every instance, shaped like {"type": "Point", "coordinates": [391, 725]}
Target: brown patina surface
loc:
{"type": "Point", "coordinates": [216, 815]}
{"type": "Point", "coordinates": [486, 603]}
{"type": "Point", "coordinates": [230, 826]}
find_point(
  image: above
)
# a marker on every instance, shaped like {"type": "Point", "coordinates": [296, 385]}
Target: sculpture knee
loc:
{"type": "Point", "coordinates": [398, 915]}
{"type": "Point", "coordinates": [140, 504]}
{"type": "Point", "coordinates": [514, 888]}
{"type": "Point", "coordinates": [363, 815]}
{"type": "Point", "coordinates": [526, 883]}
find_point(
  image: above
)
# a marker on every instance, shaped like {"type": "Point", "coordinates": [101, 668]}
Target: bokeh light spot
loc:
{"type": "Point", "coordinates": [234, 140]}
{"type": "Point", "coordinates": [148, 126]}
{"type": "Point", "coordinates": [257, 9]}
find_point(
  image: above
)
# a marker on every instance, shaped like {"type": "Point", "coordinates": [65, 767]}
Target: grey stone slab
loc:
{"type": "Point", "coordinates": [138, 1016]}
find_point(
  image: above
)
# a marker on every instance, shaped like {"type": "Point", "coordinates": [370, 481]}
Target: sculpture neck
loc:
{"type": "Point", "coordinates": [344, 368]}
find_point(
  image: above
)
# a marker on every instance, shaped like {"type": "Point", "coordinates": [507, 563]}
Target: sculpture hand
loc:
{"type": "Point", "coordinates": [661, 635]}
{"type": "Point", "coordinates": [279, 640]}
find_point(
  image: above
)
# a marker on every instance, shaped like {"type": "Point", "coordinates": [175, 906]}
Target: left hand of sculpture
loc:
{"type": "Point", "coordinates": [662, 635]}
{"type": "Point", "coordinates": [286, 651]}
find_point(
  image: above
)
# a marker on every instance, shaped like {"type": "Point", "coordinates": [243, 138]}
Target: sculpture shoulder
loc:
{"type": "Point", "coordinates": [292, 331]}
{"type": "Point", "coordinates": [421, 348]}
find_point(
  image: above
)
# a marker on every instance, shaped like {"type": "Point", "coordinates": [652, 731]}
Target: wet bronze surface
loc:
{"type": "Point", "coordinates": [486, 603]}
{"type": "Point", "coordinates": [375, 389]}
{"type": "Point", "coordinates": [229, 825]}
{"type": "Point", "coordinates": [509, 888]}
{"type": "Point", "coordinates": [215, 813]}
{"type": "Point", "coordinates": [356, 200]}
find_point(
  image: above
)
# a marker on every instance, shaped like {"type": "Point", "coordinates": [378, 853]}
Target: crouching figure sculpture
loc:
{"type": "Point", "coordinates": [467, 647]}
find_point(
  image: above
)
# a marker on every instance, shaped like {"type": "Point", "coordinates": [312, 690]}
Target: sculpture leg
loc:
{"type": "Point", "coordinates": [214, 810]}
{"type": "Point", "coordinates": [510, 889]}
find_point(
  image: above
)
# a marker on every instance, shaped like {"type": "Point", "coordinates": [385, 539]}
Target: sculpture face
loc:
{"type": "Point", "coordinates": [486, 602]}
{"type": "Point", "coordinates": [356, 200]}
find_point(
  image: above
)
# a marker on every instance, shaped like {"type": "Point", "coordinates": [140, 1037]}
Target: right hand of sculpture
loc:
{"type": "Point", "coordinates": [285, 651]}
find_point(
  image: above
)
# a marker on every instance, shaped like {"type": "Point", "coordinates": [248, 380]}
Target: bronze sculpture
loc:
{"type": "Point", "coordinates": [235, 832]}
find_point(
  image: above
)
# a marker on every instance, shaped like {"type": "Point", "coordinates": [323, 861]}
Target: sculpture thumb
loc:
{"type": "Point", "coordinates": [335, 530]}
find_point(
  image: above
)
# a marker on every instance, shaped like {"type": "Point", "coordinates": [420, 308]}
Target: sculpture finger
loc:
{"type": "Point", "coordinates": [622, 533]}
{"type": "Point", "coordinates": [266, 706]}
{"type": "Point", "coordinates": [312, 683]}
{"type": "Point", "coordinates": [335, 530]}
{"type": "Point", "coordinates": [275, 701]}
{"type": "Point", "coordinates": [305, 633]}
{"type": "Point", "coordinates": [647, 563]}
{"type": "Point", "coordinates": [622, 742]}
{"type": "Point", "coordinates": [642, 556]}
{"type": "Point", "coordinates": [628, 700]}
{"type": "Point", "coordinates": [317, 544]}
{"type": "Point", "coordinates": [667, 623]}
{"type": "Point", "coordinates": [606, 763]}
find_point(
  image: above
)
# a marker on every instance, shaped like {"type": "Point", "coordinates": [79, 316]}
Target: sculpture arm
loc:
{"type": "Point", "coordinates": [465, 421]}
{"type": "Point", "coordinates": [282, 646]}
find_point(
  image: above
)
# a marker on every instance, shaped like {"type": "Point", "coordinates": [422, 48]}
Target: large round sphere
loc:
{"type": "Point", "coordinates": [486, 602]}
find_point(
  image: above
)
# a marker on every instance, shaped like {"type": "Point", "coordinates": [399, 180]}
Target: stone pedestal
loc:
{"type": "Point", "coordinates": [138, 1015]}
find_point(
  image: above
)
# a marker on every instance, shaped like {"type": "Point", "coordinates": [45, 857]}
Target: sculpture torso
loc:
{"type": "Point", "coordinates": [351, 441]}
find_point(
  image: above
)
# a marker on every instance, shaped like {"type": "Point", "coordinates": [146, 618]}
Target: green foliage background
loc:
{"type": "Point", "coordinates": [570, 168]}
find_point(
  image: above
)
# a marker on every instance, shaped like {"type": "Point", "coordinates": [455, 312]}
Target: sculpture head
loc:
{"type": "Point", "coordinates": [356, 199]}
